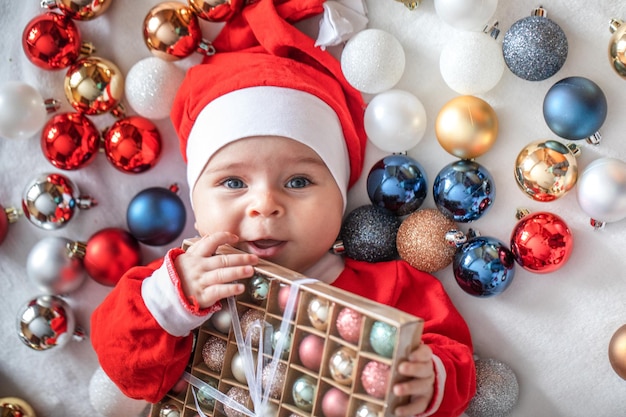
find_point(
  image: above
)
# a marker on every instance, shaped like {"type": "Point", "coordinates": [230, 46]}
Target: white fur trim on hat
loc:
{"type": "Point", "coordinates": [269, 111]}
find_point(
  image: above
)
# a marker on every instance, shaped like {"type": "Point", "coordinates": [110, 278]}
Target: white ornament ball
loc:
{"type": "Point", "coordinates": [22, 110]}
{"type": "Point", "coordinates": [601, 190]}
{"type": "Point", "coordinates": [373, 61]}
{"type": "Point", "coordinates": [472, 63]}
{"type": "Point", "coordinates": [109, 401]}
{"type": "Point", "coordinates": [395, 121]}
{"type": "Point", "coordinates": [151, 85]}
{"type": "Point", "coordinates": [471, 15]}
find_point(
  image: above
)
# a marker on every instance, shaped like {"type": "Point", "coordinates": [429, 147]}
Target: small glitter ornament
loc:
{"type": "Point", "coordinates": [466, 127]}
{"type": "Point", "coordinates": [258, 288]}
{"type": "Point", "coordinates": [397, 183]}
{"type": "Point", "coordinates": [310, 352]}
{"type": "Point", "coordinates": [601, 190]}
{"type": "Point", "coordinates": [375, 378]}
{"type": "Point", "coordinates": [213, 353]}
{"type": "Point", "coordinates": [319, 313]}
{"type": "Point", "coordinates": [303, 392]}
{"type": "Point", "coordinates": [541, 242]}
{"type": "Point", "coordinates": [54, 267]}
{"type": "Point", "coordinates": [241, 396]}
{"type": "Point", "coordinates": [369, 234]}
{"type": "Point", "coordinates": [483, 266]}
{"type": "Point", "coordinates": [335, 403]}
{"type": "Point", "coordinates": [373, 61]}
{"type": "Point", "coordinates": [574, 108]}
{"type": "Point", "coordinates": [250, 320]}
{"type": "Point", "coordinates": [422, 240]}
{"type": "Point", "coordinates": [156, 216]}
{"type": "Point", "coordinates": [464, 191]}
{"type": "Point", "coordinates": [383, 338]}
{"type": "Point", "coordinates": [50, 201]}
{"type": "Point", "coordinates": [342, 364]}
{"type": "Point", "coordinates": [546, 170]}
{"type": "Point", "coordinates": [535, 47]}
{"type": "Point", "coordinates": [94, 86]}
{"type": "Point", "coordinates": [70, 141]}
{"type": "Point", "coordinates": [617, 47]}
{"type": "Point", "coordinates": [274, 386]}
{"type": "Point", "coordinates": [222, 320]}
{"type": "Point", "coordinates": [132, 144]}
{"type": "Point", "coordinates": [349, 324]}
{"type": "Point", "coordinates": [497, 390]}
{"type": "Point", "coordinates": [617, 351]}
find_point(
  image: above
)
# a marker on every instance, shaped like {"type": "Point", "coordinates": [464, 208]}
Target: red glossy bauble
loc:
{"type": "Point", "coordinates": [109, 254]}
{"type": "Point", "coordinates": [4, 224]}
{"type": "Point", "coordinates": [541, 242]}
{"type": "Point", "coordinates": [70, 141]}
{"type": "Point", "coordinates": [51, 41]}
{"type": "Point", "coordinates": [132, 144]}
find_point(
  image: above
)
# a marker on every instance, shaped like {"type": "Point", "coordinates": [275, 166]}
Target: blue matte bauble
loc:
{"type": "Point", "coordinates": [383, 338]}
{"type": "Point", "coordinates": [156, 216]}
{"type": "Point", "coordinates": [575, 108]}
{"type": "Point", "coordinates": [369, 234]}
{"type": "Point", "coordinates": [397, 183]}
{"type": "Point", "coordinates": [483, 266]}
{"type": "Point", "coordinates": [463, 191]}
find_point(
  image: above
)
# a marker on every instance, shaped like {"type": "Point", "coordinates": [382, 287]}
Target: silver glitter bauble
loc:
{"type": "Point", "coordinates": [45, 322]}
{"type": "Point", "coordinates": [497, 390]}
{"type": "Point", "coordinates": [535, 48]}
{"type": "Point", "coordinates": [54, 267]}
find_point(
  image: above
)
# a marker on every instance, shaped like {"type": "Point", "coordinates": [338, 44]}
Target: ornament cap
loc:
{"type": "Point", "coordinates": [614, 24]}
{"type": "Point", "coordinates": [594, 139]}
{"type": "Point", "coordinates": [539, 12]}
{"type": "Point", "coordinates": [51, 105]}
{"type": "Point", "coordinates": [86, 202]}
{"type": "Point", "coordinates": [597, 224]}
{"type": "Point", "coordinates": [76, 249]}
{"type": "Point", "coordinates": [13, 214]}
{"type": "Point", "coordinates": [49, 4]}
{"type": "Point", "coordinates": [411, 4]}
{"type": "Point", "coordinates": [79, 334]}
{"type": "Point", "coordinates": [493, 30]}
{"type": "Point", "coordinates": [521, 212]}
{"type": "Point", "coordinates": [456, 238]}
{"type": "Point", "coordinates": [206, 48]}
{"type": "Point", "coordinates": [338, 248]}
{"type": "Point", "coordinates": [87, 48]}
{"type": "Point", "coordinates": [574, 149]}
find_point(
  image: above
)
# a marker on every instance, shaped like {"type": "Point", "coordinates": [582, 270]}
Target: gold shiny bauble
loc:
{"type": "Point", "coordinates": [617, 352]}
{"type": "Point", "coordinates": [421, 240]}
{"type": "Point", "coordinates": [319, 313]}
{"type": "Point", "coordinates": [545, 170]}
{"type": "Point", "coordinates": [15, 407]}
{"type": "Point", "coordinates": [80, 9]}
{"type": "Point", "coordinates": [171, 31]}
{"type": "Point", "coordinates": [215, 10]}
{"type": "Point", "coordinates": [94, 85]}
{"type": "Point", "coordinates": [466, 127]}
{"type": "Point", "coordinates": [617, 47]}
{"type": "Point", "coordinates": [342, 364]}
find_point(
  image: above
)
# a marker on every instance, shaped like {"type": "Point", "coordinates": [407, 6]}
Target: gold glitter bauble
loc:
{"type": "Point", "coordinates": [422, 240]}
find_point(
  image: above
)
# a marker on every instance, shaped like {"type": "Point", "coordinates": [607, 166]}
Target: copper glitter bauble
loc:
{"type": "Point", "coordinates": [422, 241]}
{"type": "Point", "coordinates": [349, 325]}
{"type": "Point", "coordinates": [241, 396]}
{"type": "Point", "coordinates": [213, 353]}
{"type": "Point", "coordinates": [617, 351]}
{"type": "Point", "coordinates": [274, 386]}
{"type": "Point", "coordinates": [247, 320]}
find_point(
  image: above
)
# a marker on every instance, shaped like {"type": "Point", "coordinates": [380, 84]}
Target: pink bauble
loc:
{"type": "Point", "coordinates": [283, 297]}
{"type": "Point", "coordinates": [349, 325]}
{"type": "Point", "coordinates": [310, 350]}
{"type": "Point", "coordinates": [335, 403]}
{"type": "Point", "coordinates": [375, 378]}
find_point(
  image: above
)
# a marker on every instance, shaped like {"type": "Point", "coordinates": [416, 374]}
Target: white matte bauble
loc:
{"type": "Point", "coordinates": [373, 61]}
{"type": "Point", "coordinates": [151, 85]}
{"type": "Point", "coordinates": [471, 15]}
{"type": "Point", "coordinates": [601, 190]}
{"type": "Point", "coordinates": [395, 121]}
{"type": "Point", "coordinates": [107, 399]}
{"type": "Point", "coordinates": [471, 62]}
{"type": "Point", "coordinates": [53, 267]}
{"type": "Point", "coordinates": [22, 110]}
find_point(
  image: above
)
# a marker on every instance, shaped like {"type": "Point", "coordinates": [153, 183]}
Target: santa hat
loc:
{"type": "Point", "coordinates": [268, 78]}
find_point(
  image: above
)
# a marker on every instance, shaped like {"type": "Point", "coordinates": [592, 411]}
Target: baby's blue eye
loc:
{"type": "Point", "coordinates": [298, 182]}
{"type": "Point", "coordinates": [234, 183]}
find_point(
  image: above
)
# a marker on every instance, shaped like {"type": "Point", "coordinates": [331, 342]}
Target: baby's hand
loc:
{"type": "Point", "coordinates": [207, 277]}
{"type": "Point", "coordinates": [421, 388]}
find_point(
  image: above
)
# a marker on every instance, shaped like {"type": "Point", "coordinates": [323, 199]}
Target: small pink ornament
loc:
{"type": "Point", "coordinates": [310, 350]}
{"type": "Point", "coordinates": [349, 325]}
{"type": "Point", "coordinates": [335, 403]}
{"type": "Point", "coordinates": [375, 378]}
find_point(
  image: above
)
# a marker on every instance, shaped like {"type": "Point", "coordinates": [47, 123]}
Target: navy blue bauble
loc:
{"type": "Point", "coordinates": [397, 183]}
{"type": "Point", "coordinates": [156, 216]}
{"type": "Point", "coordinates": [464, 190]}
{"type": "Point", "coordinates": [483, 266]}
{"type": "Point", "coordinates": [369, 234]}
{"type": "Point", "coordinates": [575, 108]}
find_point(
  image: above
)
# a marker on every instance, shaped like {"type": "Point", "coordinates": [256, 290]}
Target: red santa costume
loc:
{"type": "Point", "coordinates": [268, 78]}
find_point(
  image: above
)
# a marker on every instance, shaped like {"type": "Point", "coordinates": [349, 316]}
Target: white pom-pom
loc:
{"type": "Point", "coordinates": [109, 401]}
{"type": "Point", "coordinates": [395, 121]}
{"type": "Point", "coordinates": [472, 63]}
{"type": "Point", "coordinates": [373, 61]}
{"type": "Point", "coordinates": [151, 85]}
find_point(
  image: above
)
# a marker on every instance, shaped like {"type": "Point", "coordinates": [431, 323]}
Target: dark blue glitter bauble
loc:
{"type": "Point", "coordinates": [463, 191]}
{"type": "Point", "coordinates": [534, 48]}
{"type": "Point", "coordinates": [369, 234]}
{"type": "Point", "coordinates": [575, 108]}
{"type": "Point", "coordinates": [397, 183]}
{"type": "Point", "coordinates": [156, 216]}
{"type": "Point", "coordinates": [483, 266]}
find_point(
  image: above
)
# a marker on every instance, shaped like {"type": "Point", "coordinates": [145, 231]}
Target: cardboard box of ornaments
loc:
{"type": "Point", "coordinates": [294, 346]}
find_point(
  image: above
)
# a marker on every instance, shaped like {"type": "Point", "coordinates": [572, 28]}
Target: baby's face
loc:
{"type": "Point", "coordinates": [276, 194]}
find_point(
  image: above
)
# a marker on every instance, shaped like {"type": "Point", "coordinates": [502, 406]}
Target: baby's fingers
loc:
{"type": "Point", "coordinates": [207, 245]}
